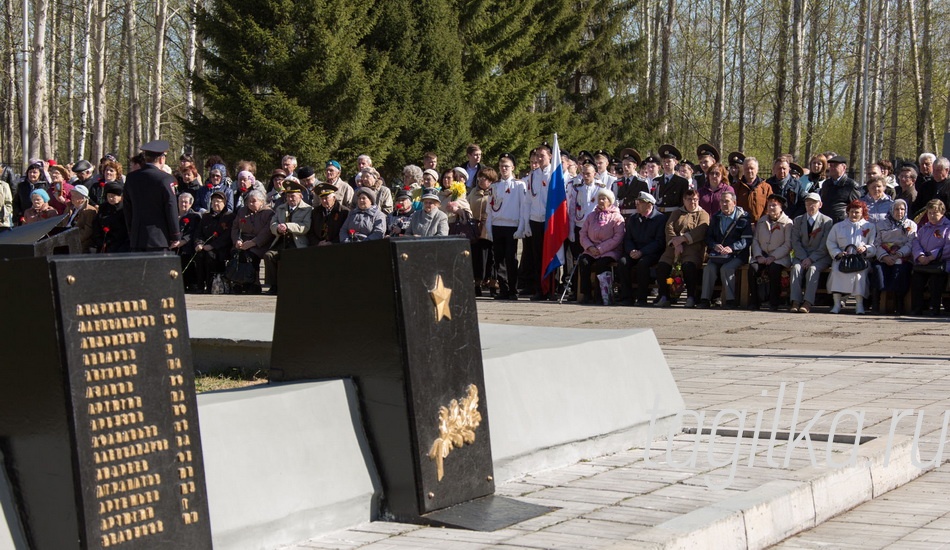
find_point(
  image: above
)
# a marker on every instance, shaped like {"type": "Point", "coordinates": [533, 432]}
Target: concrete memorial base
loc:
{"type": "Point", "coordinates": [286, 462]}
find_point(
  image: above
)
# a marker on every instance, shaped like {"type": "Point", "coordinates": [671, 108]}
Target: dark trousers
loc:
{"type": "Point", "coordinates": [536, 249]}
{"type": "Point", "coordinates": [208, 264]}
{"type": "Point", "coordinates": [505, 247]}
{"type": "Point", "coordinates": [935, 283]}
{"type": "Point", "coordinates": [641, 268]}
{"type": "Point", "coordinates": [774, 273]}
{"type": "Point", "coordinates": [572, 253]}
{"type": "Point", "coordinates": [586, 265]}
{"type": "Point", "coordinates": [483, 260]}
{"type": "Point", "coordinates": [691, 278]}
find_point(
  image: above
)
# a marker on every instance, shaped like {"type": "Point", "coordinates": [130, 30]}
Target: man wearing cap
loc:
{"type": "Point", "coordinates": [290, 225]}
{"type": "Point", "coordinates": [736, 159]}
{"type": "Point", "coordinates": [643, 243]}
{"type": "Point", "coordinates": [839, 190]}
{"type": "Point", "coordinates": [602, 162]}
{"type": "Point", "coordinates": [151, 211]}
{"type": "Point", "coordinates": [771, 249]}
{"type": "Point", "coordinates": [751, 191]}
{"type": "Point", "coordinates": [344, 192]}
{"type": "Point", "coordinates": [308, 179]}
{"type": "Point", "coordinates": [707, 155]}
{"type": "Point", "coordinates": [327, 217]}
{"type": "Point", "coordinates": [809, 236]}
{"type": "Point", "coordinates": [669, 186]}
{"type": "Point", "coordinates": [649, 170]}
{"type": "Point", "coordinates": [629, 184]}
{"type": "Point", "coordinates": [789, 186]}
{"type": "Point", "coordinates": [83, 171]}
{"type": "Point", "coordinates": [397, 223]}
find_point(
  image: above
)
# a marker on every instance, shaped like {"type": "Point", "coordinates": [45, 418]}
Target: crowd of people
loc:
{"type": "Point", "coordinates": [660, 227]}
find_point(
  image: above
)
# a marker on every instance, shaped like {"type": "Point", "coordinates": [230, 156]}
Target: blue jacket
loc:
{"type": "Point", "coordinates": [648, 235]}
{"type": "Point", "coordinates": [739, 238]}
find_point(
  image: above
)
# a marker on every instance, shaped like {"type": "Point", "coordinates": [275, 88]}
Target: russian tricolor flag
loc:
{"type": "Point", "coordinates": [556, 221]}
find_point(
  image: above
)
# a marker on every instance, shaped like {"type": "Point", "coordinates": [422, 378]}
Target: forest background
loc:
{"type": "Point", "coordinates": [256, 79]}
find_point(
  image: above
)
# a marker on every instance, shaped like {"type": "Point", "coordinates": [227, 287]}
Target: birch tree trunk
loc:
{"type": "Point", "coordinates": [798, 24]}
{"type": "Point", "coordinates": [741, 31]}
{"type": "Point", "coordinates": [190, 65]}
{"type": "Point", "coordinates": [71, 88]}
{"type": "Point", "coordinates": [161, 15]}
{"type": "Point", "coordinates": [930, 138]}
{"type": "Point", "coordinates": [918, 86]}
{"type": "Point", "coordinates": [720, 102]}
{"type": "Point", "coordinates": [135, 105]}
{"type": "Point", "coordinates": [858, 87]}
{"type": "Point", "coordinates": [84, 113]}
{"type": "Point", "coordinates": [664, 99]}
{"type": "Point", "coordinates": [9, 87]}
{"type": "Point", "coordinates": [781, 72]}
{"type": "Point", "coordinates": [814, 83]}
{"type": "Point", "coordinates": [56, 67]}
{"type": "Point", "coordinates": [39, 80]}
{"type": "Point", "coordinates": [99, 83]}
{"type": "Point", "coordinates": [896, 79]}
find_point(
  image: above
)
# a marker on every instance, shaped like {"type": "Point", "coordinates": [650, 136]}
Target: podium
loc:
{"type": "Point", "coordinates": [398, 315]}
{"type": "Point", "coordinates": [98, 415]}
{"type": "Point", "coordinates": [43, 238]}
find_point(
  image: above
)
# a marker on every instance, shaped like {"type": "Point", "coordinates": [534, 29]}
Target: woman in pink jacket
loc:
{"type": "Point", "coordinates": [602, 239]}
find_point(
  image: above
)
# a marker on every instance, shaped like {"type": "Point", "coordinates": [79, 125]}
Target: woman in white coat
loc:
{"type": "Point", "coordinates": [855, 234]}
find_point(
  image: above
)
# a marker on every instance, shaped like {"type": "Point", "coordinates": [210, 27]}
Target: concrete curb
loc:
{"type": "Point", "coordinates": [779, 509]}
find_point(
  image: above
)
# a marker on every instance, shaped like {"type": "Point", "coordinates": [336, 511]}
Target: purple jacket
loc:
{"type": "Point", "coordinates": [933, 239]}
{"type": "Point", "coordinates": [604, 229]}
{"type": "Point", "coordinates": [709, 198]}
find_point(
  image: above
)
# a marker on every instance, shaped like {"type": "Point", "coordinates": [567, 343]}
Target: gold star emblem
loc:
{"type": "Point", "coordinates": [440, 297]}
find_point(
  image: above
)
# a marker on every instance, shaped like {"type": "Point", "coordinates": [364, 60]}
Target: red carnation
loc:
{"type": "Point", "coordinates": [406, 187]}
{"type": "Point", "coordinates": [215, 234]}
{"type": "Point", "coordinates": [352, 232]}
{"type": "Point", "coordinates": [186, 220]}
{"type": "Point", "coordinates": [243, 220]}
{"type": "Point", "coordinates": [102, 184]}
{"type": "Point", "coordinates": [619, 183]}
{"type": "Point", "coordinates": [105, 229]}
{"type": "Point", "coordinates": [210, 186]}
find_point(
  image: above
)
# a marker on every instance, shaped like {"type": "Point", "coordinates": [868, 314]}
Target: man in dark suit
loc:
{"type": "Point", "coordinates": [630, 184]}
{"type": "Point", "coordinates": [151, 212]}
{"type": "Point", "coordinates": [839, 190]}
{"type": "Point", "coordinates": [669, 186]}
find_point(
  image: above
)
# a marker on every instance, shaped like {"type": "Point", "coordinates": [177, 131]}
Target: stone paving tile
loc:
{"type": "Point", "coordinates": [551, 540]}
{"type": "Point", "coordinates": [597, 528]}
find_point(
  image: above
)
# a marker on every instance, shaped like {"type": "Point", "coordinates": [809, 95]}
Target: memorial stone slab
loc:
{"type": "Point", "coordinates": [98, 414]}
{"type": "Point", "coordinates": [399, 316]}
{"type": "Point", "coordinates": [43, 238]}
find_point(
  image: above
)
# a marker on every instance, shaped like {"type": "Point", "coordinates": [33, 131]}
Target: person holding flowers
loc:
{"type": "Point", "coordinates": [685, 251]}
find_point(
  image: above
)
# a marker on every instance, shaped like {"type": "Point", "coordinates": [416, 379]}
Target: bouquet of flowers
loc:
{"type": "Point", "coordinates": [675, 280]}
{"type": "Point", "coordinates": [458, 190]}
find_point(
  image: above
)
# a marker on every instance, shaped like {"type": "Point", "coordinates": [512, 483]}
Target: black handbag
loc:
{"type": "Point", "coordinates": [935, 267]}
{"type": "Point", "coordinates": [468, 228]}
{"type": "Point", "coordinates": [852, 262]}
{"type": "Point", "coordinates": [240, 269]}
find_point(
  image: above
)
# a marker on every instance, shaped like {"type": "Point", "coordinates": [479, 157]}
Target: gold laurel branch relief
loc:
{"type": "Point", "coordinates": [457, 424]}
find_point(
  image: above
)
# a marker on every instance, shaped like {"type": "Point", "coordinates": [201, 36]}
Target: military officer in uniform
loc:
{"type": "Point", "coordinates": [669, 186]}
{"type": "Point", "coordinates": [736, 159]}
{"type": "Point", "coordinates": [630, 184]}
{"type": "Point", "coordinates": [707, 155]}
{"type": "Point", "coordinates": [151, 210]}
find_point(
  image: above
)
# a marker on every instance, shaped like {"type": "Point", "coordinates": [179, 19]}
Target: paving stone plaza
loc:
{"type": "Point", "coordinates": [696, 491]}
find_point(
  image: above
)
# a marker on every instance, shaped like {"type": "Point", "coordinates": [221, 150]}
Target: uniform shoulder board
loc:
{"type": "Point", "coordinates": [600, 183]}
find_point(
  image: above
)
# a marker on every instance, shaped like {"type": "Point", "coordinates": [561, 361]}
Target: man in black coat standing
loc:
{"type": "Point", "coordinates": [151, 212]}
{"type": "Point", "coordinates": [839, 190]}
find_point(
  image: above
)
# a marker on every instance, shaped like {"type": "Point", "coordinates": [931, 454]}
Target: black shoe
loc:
{"type": "Point", "coordinates": [538, 297]}
{"type": "Point", "coordinates": [753, 306]}
{"type": "Point", "coordinates": [643, 303]}
{"type": "Point", "coordinates": [704, 304]}
{"type": "Point", "coordinates": [773, 307]}
{"type": "Point", "coordinates": [272, 291]}
{"type": "Point", "coordinates": [730, 304]}
{"type": "Point", "coordinates": [525, 292]}
{"type": "Point", "coordinates": [253, 289]}
{"type": "Point", "coordinates": [478, 291]}
{"type": "Point", "coordinates": [626, 302]}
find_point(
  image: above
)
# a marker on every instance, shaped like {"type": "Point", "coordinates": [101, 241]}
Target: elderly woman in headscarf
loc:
{"type": "Point", "coordinates": [602, 239]}
{"type": "Point", "coordinates": [366, 222]}
{"type": "Point", "coordinates": [855, 235]}
{"type": "Point", "coordinates": [894, 239]}
{"type": "Point", "coordinates": [369, 177]}
{"type": "Point", "coordinates": [246, 182]}
{"type": "Point", "coordinates": [217, 182]}
{"type": "Point", "coordinates": [81, 215]}
{"type": "Point", "coordinates": [41, 210]}
{"type": "Point", "coordinates": [430, 221]}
